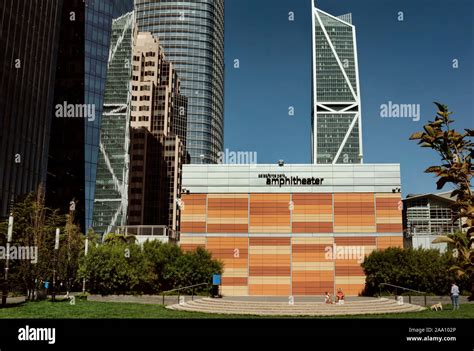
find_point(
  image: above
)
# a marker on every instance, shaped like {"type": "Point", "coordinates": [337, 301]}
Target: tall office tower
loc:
{"type": "Point", "coordinates": [111, 192]}
{"type": "Point", "coordinates": [192, 34]}
{"type": "Point", "coordinates": [157, 153]}
{"type": "Point", "coordinates": [65, 179]}
{"type": "Point", "coordinates": [336, 134]}
{"type": "Point", "coordinates": [98, 24]}
{"type": "Point", "coordinates": [29, 42]}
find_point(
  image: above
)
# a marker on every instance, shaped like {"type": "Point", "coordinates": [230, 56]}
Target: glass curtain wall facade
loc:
{"type": "Point", "coordinates": [29, 43]}
{"type": "Point", "coordinates": [99, 15]}
{"type": "Point", "coordinates": [192, 35]}
{"type": "Point", "coordinates": [65, 176]}
{"type": "Point", "coordinates": [336, 121]}
{"type": "Point", "coordinates": [111, 192]}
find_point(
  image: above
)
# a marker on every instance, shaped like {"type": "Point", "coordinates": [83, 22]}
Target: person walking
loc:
{"type": "Point", "coordinates": [455, 296]}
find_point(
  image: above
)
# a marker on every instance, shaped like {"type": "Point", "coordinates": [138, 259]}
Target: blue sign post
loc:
{"type": "Point", "coordinates": [216, 282]}
{"type": "Point", "coordinates": [216, 279]}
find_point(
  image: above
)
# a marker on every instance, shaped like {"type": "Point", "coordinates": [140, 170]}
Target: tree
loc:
{"type": "Point", "coordinates": [154, 267]}
{"type": "Point", "coordinates": [71, 248]}
{"type": "Point", "coordinates": [161, 258]}
{"type": "Point", "coordinates": [195, 267]}
{"type": "Point", "coordinates": [114, 238]}
{"type": "Point", "coordinates": [417, 269]}
{"type": "Point", "coordinates": [114, 269]}
{"type": "Point", "coordinates": [34, 227]}
{"type": "Point", "coordinates": [456, 152]}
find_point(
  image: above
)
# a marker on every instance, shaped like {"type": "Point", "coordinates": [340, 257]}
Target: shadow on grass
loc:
{"type": "Point", "coordinates": [13, 305]}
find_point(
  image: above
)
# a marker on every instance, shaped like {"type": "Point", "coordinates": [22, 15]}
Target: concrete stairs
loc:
{"type": "Point", "coordinates": [259, 308]}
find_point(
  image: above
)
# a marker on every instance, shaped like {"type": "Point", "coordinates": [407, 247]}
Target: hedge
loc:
{"type": "Point", "coordinates": [124, 268]}
{"type": "Point", "coordinates": [418, 269]}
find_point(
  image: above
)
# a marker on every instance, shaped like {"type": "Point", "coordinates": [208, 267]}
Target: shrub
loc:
{"type": "Point", "coordinates": [118, 268]}
{"type": "Point", "coordinates": [115, 269]}
{"type": "Point", "coordinates": [417, 269]}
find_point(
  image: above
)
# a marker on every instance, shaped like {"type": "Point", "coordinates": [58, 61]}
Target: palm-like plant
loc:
{"type": "Point", "coordinates": [113, 238]}
{"type": "Point", "coordinates": [464, 255]}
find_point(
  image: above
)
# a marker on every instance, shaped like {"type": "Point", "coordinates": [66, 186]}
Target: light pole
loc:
{"type": "Point", "coordinates": [56, 247]}
{"type": "Point", "coordinates": [7, 261]}
{"type": "Point", "coordinates": [86, 248]}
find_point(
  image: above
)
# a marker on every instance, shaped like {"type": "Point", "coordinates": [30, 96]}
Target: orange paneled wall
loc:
{"type": "Point", "coordinates": [312, 213]}
{"type": "Point", "coordinates": [313, 273]}
{"type": "Point", "coordinates": [191, 243]}
{"type": "Point", "coordinates": [233, 252]}
{"type": "Point", "coordinates": [270, 213]}
{"type": "Point", "coordinates": [349, 253]}
{"type": "Point", "coordinates": [389, 213]}
{"type": "Point", "coordinates": [354, 213]}
{"type": "Point", "coordinates": [227, 213]}
{"type": "Point", "coordinates": [384, 242]}
{"type": "Point", "coordinates": [270, 266]}
{"type": "Point", "coordinates": [193, 213]}
{"type": "Point", "coordinates": [278, 244]}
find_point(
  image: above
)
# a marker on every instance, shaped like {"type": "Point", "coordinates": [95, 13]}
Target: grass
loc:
{"type": "Point", "coordinates": [99, 310]}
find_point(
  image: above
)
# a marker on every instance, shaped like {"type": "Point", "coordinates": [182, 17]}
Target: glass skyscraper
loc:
{"type": "Point", "coordinates": [99, 15]}
{"type": "Point", "coordinates": [336, 121]}
{"type": "Point", "coordinates": [29, 40]}
{"type": "Point", "coordinates": [192, 35]}
{"type": "Point", "coordinates": [111, 193]}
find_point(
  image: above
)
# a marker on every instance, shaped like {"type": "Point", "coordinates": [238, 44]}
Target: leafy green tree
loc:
{"type": "Point", "coordinates": [113, 238]}
{"type": "Point", "coordinates": [118, 268]}
{"type": "Point", "coordinates": [195, 267]}
{"type": "Point", "coordinates": [71, 248]}
{"type": "Point", "coordinates": [456, 151]}
{"type": "Point", "coordinates": [34, 227]}
{"type": "Point", "coordinates": [417, 269]}
{"type": "Point", "coordinates": [161, 258]}
{"type": "Point", "coordinates": [114, 269]}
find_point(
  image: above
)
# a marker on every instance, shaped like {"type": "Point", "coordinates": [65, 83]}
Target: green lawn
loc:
{"type": "Point", "coordinates": [91, 309]}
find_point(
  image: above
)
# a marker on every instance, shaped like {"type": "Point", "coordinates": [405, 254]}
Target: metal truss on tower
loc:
{"type": "Point", "coordinates": [111, 193]}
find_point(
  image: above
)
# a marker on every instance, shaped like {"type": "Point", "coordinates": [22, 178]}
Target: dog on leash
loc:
{"type": "Point", "coordinates": [437, 306]}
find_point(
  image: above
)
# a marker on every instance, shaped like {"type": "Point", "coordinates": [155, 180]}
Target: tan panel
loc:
{"type": "Point", "coordinates": [314, 240]}
{"type": "Point", "coordinates": [316, 266]}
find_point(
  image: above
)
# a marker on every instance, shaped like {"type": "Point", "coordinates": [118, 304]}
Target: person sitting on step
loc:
{"type": "Point", "coordinates": [328, 298]}
{"type": "Point", "coordinates": [340, 296]}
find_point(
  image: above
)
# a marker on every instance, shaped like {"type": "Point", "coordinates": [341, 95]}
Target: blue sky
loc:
{"type": "Point", "coordinates": [408, 62]}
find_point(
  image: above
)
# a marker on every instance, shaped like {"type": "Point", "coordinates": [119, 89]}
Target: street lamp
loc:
{"type": "Point", "coordinates": [86, 249]}
{"type": "Point", "coordinates": [56, 248]}
{"type": "Point", "coordinates": [7, 261]}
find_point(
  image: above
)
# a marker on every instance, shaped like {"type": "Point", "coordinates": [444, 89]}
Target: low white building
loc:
{"type": "Point", "coordinates": [427, 216]}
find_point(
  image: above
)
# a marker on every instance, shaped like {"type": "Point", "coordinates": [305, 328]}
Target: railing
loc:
{"type": "Point", "coordinates": [183, 288]}
{"type": "Point", "coordinates": [146, 230]}
{"type": "Point", "coordinates": [403, 288]}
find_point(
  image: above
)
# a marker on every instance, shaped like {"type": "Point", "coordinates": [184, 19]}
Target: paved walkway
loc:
{"type": "Point", "coordinates": [14, 300]}
{"type": "Point", "coordinates": [144, 299]}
